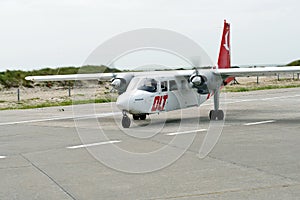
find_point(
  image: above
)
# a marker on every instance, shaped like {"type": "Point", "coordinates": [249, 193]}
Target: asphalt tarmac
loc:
{"type": "Point", "coordinates": [84, 153]}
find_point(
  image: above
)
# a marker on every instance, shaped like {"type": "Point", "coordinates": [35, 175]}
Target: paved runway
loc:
{"type": "Point", "coordinates": [43, 152]}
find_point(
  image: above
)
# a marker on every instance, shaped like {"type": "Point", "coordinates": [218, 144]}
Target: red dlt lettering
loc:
{"type": "Point", "coordinates": [159, 103]}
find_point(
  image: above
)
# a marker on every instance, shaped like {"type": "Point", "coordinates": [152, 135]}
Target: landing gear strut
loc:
{"type": "Point", "coordinates": [216, 114]}
{"type": "Point", "coordinates": [125, 120]}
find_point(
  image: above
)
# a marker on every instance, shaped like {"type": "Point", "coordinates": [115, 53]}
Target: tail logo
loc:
{"type": "Point", "coordinates": [226, 41]}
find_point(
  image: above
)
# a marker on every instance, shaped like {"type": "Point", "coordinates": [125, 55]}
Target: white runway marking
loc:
{"type": "Point", "coordinates": [280, 97]}
{"type": "Point", "coordinates": [262, 122]}
{"type": "Point", "coordinates": [185, 132]}
{"type": "Point", "coordinates": [61, 118]}
{"type": "Point", "coordinates": [93, 144]}
{"type": "Point", "coordinates": [233, 101]}
{"type": "Point", "coordinates": [1, 157]}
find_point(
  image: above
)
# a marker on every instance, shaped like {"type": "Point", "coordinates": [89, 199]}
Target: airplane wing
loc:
{"type": "Point", "coordinates": [264, 71]}
{"type": "Point", "coordinates": [225, 72]}
{"type": "Point", "coordinates": [104, 76]}
{"type": "Point", "coordinates": [72, 77]}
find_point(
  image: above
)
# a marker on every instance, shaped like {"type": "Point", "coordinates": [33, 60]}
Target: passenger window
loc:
{"type": "Point", "coordinates": [183, 84]}
{"type": "Point", "coordinates": [164, 86]}
{"type": "Point", "coordinates": [173, 85]}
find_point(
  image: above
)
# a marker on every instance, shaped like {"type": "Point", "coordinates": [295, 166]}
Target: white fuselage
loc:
{"type": "Point", "coordinates": [171, 93]}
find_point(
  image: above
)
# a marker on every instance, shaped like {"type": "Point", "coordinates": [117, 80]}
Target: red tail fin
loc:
{"type": "Point", "coordinates": [224, 55]}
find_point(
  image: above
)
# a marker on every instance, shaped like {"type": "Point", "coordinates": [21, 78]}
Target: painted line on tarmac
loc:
{"type": "Point", "coordinates": [233, 101]}
{"type": "Point", "coordinates": [262, 99]}
{"type": "Point", "coordinates": [2, 157]}
{"type": "Point", "coordinates": [257, 123]}
{"type": "Point", "coordinates": [61, 118]}
{"type": "Point", "coordinates": [93, 144]}
{"type": "Point", "coordinates": [280, 97]}
{"type": "Point", "coordinates": [185, 132]}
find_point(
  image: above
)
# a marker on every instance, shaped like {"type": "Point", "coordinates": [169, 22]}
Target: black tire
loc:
{"type": "Point", "coordinates": [216, 115]}
{"type": "Point", "coordinates": [220, 115]}
{"type": "Point", "coordinates": [143, 116]}
{"type": "Point", "coordinates": [135, 117]}
{"type": "Point", "coordinates": [126, 122]}
{"type": "Point", "coordinates": [212, 115]}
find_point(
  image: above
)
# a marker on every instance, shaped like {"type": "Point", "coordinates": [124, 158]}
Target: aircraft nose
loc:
{"type": "Point", "coordinates": [123, 102]}
{"type": "Point", "coordinates": [134, 102]}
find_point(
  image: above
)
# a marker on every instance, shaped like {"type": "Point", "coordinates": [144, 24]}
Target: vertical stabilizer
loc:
{"type": "Point", "coordinates": [224, 54]}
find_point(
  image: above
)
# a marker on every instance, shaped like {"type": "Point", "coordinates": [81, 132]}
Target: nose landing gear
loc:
{"type": "Point", "coordinates": [125, 120]}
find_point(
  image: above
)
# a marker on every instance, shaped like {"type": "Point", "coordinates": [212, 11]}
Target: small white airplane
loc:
{"type": "Point", "coordinates": [145, 93]}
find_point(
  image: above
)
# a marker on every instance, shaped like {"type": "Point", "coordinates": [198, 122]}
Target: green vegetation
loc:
{"type": "Point", "coordinates": [16, 78]}
{"type": "Point", "coordinates": [294, 63]}
{"type": "Point", "coordinates": [13, 78]}
{"type": "Point", "coordinates": [32, 99]}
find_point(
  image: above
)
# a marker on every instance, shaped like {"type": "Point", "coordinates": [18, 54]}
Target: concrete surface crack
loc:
{"type": "Point", "coordinates": [49, 177]}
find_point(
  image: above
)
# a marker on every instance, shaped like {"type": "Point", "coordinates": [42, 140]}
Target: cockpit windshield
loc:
{"type": "Point", "coordinates": [133, 84]}
{"type": "Point", "coordinates": [148, 84]}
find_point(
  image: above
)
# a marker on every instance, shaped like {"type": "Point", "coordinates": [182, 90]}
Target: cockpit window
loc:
{"type": "Point", "coordinates": [149, 85]}
{"type": "Point", "coordinates": [164, 86]}
{"type": "Point", "coordinates": [133, 84]}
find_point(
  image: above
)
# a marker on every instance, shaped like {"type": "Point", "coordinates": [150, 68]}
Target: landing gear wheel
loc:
{"type": "Point", "coordinates": [143, 116]}
{"type": "Point", "coordinates": [135, 117]}
{"type": "Point", "coordinates": [139, 116]}
{"type": "Point", "coordinates": [125, 121]}
{"type": "Point", "coordinates": [216, 115]}
{"type": "Point", "coordinates": [220, 115]}
{"type": "Point", "coordinates": [212, 115]}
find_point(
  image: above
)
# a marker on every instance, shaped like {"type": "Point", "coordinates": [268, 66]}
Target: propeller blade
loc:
{"type": "Point", "coordinates": [195, 61]}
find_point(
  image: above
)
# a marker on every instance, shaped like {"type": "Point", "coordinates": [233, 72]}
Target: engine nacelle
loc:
{"type": "Point", "coordinates": [116, 83]}
{"type": "Point", "coordinates": [120, 82]}
{"type": "Point", "coordinates": [199, 82]}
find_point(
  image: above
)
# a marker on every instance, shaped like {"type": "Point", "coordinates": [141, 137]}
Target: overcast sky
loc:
{"type": "Point", "coordinates": [44, 33]}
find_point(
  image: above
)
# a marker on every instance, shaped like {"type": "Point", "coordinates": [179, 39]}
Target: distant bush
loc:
{"type": "Point", "coordinates": [14, 78]}
{"type": "Point", "coordinates": [294, 63]}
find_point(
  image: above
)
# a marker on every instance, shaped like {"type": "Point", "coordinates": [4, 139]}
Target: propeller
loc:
{"type": "Point", "coordinates": [114, 82]}
{"type": "Point", "coordinates": [196, 79]}
{"type": "Point", "coordinates": [195, 61]}
{"type": "Point", "coordinates": [119, 82]}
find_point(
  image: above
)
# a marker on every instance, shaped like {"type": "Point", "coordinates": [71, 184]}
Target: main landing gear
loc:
{"type": "Point", "coordinates": [216, 114]}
